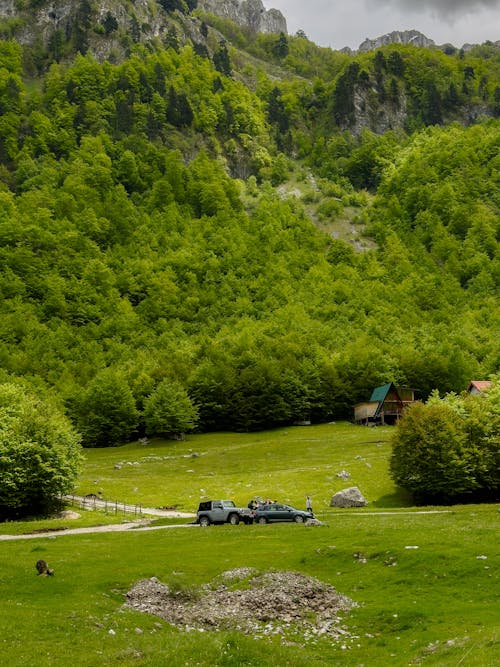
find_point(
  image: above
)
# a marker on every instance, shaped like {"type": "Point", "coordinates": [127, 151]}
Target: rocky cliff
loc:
{"type": "Point", "coordinates": [378, 118]}
{"type": "Point", "coordinates": [413, 37]}
{"type": "Point", "coordinates": [56, 29]}
{"type": "Point", "coordinates": [102, 27]}
{"type": "Point", "coordinates": [250, 14]}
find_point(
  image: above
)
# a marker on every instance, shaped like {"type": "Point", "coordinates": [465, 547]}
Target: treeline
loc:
{"type": "Point", "coordinates": [153, 293]}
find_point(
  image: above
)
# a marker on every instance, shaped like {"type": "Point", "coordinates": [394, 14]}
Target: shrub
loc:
{"type": "Point", "coordinates": [40, 453]}
{"type": "Point", "coordinates": [449, 449]}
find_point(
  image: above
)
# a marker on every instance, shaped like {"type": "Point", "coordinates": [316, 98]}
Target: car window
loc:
{"type": "Point", "coordinates": [228, 503]}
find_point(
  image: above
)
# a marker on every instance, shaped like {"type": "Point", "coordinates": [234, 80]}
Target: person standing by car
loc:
{"type": "Point", "coordinates": [252, 506]}
{"type": "Point", "coordinates": [309, 507]}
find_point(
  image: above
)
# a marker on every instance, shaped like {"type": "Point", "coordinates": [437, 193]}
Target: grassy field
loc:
{"type": "Point", "coordinates": [432, 605]}
{"type": "Point", "coordinates": [286, 464]}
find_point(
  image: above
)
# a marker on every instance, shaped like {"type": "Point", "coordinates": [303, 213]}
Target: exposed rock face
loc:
{"type": "Point", "coordinates": [413, 37]}
{"type": "Point", "coordinates": [351, 497]}
{"type": "Point", "coordinates": [392, 114]}
{"type": "Point", "coordinates": [142, 21]}
{"type": "Point", "coordinates": [48, 17]}
{"type": "Point", "coordinates": [247, 13]}
{"type": "Point", "coordinates": [7, 8]}
{"type": "Point", "coordinates": [377, 117]}
{"type": "Point", "coordinates": [468, 47]}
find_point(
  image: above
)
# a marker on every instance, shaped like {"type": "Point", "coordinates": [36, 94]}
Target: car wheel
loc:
{"type": "Point", "coordinates": [234, 519]}
{"type": "Point", "coordinates": [204, 521]}
{"type": "Point", "coordinates": [262, 519]}
{"type": "Point", "coordinates": [298, 518]}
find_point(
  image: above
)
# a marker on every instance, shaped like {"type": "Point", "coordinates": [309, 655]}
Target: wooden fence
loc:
{"type": "Point", "coordinates": [94, 502]}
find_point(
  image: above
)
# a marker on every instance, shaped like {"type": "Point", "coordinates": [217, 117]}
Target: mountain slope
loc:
{"type": "Point", "coordinates": [143, 236]}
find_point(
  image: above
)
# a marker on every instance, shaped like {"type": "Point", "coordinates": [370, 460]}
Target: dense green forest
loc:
{"type": "Point", "coordinates": [174, 224]}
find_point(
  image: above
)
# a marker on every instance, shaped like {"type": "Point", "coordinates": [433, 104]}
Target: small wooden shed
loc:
{"type": "Point", "coordinates": [385, 406]}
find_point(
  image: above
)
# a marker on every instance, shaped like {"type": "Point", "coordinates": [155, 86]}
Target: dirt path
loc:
{"type": "Point", "coordinates": [109, 528]}
{"type": "Point", "coordinates": [96, 503]}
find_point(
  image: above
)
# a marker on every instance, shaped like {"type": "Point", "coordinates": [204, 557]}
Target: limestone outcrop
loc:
{"type": "Point", "coordinates": [249, 14]}
{"type": "Point", "coordinates": [39, 24]}
{"type": "Point", "coordinates": [105, 27]}
{"type": "Point", "coordinates": [413, 37]}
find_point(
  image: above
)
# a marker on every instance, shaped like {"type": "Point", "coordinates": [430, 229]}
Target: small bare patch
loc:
{"type": "Point", "coordinates": [68, 514]}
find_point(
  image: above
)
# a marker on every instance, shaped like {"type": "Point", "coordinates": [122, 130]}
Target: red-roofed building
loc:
{"type": "Point", "coordinates": [478, 386]}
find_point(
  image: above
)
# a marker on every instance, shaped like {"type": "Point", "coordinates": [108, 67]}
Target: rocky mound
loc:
{"type": "Point", "coordinates": [269, 603]}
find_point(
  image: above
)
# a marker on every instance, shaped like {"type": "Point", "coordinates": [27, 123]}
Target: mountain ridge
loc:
{"type": "Point", "coordinates": [109, 28]}
{"type": "Point", "coordinates": [409, 38]}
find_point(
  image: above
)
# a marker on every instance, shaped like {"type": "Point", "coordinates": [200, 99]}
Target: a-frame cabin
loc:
{"type": "Point", "coordinates": [385, 406]}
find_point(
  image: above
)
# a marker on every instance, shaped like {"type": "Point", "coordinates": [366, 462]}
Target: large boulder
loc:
{"type": "Point", "coordinates": [351, 497]}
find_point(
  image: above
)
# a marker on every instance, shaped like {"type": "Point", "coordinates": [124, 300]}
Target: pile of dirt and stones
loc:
{"type": "Point", "coordinates": [288, 604]}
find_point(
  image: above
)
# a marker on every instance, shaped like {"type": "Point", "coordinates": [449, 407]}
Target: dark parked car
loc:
{"type": "Point", "coordinates": [278, 512]}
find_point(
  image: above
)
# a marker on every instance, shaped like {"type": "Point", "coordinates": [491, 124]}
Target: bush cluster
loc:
{"type": "Point", "coordinates": [40, 452]}
{"type": "Point", "coordinates": [449, 448]}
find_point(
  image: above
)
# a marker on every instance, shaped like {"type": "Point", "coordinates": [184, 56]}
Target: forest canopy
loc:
{"type": "Point", "coordinates": [148, 246]}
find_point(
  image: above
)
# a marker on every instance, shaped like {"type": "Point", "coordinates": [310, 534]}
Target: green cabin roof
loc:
{"type": "Point", "coordinates": [379, 393]}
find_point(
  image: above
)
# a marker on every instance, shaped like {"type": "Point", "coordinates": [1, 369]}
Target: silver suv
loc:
{"type": "Point", "coordinates": [222, 511]}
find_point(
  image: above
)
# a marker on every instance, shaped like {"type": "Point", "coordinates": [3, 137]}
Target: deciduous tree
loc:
{"type": "Point", "coordinates": [105, 412]}
{"type": "Point", "coordinates": [169, 410]}
{"type": "Point", "coordinates": [40, 452]}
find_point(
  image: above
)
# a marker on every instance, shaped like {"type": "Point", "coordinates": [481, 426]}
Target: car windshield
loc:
{"type": "Point", "coordinates": [228, 503]}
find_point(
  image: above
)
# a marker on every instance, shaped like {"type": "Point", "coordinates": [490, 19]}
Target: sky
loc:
{"type": "Point", "coordinates": [339, 23]}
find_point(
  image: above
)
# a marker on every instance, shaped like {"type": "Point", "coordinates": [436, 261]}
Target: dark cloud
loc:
{"type": "Point", "coordinates": [339, 23]}
{"type": "Point", "coordinates": [450, 8]}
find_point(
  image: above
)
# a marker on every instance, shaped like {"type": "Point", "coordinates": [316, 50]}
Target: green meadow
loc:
{"type": "Point", "coordinates": [286, 464]}
{"type": "Point", "coordinates": [432, 605]}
